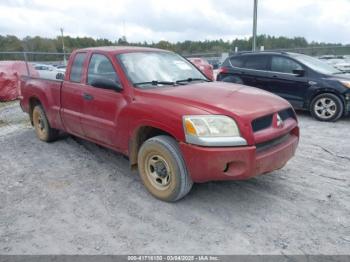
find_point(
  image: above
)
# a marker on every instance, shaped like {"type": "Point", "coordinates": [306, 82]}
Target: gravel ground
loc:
{"type": "Point", "coordinates": [74, 197]}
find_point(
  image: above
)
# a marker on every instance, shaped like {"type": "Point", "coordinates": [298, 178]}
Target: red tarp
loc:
{"type": "Point", "coordinates": [10, 74]}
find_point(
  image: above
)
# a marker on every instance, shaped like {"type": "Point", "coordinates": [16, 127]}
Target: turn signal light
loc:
{"type": "Point", "coordinates": [190, 129]}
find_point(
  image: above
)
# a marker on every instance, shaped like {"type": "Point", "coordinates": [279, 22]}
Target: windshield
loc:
{"type": "Point", "coordinates": [146, 69]}
{"type": "Point", "coordinates": [317, 65]}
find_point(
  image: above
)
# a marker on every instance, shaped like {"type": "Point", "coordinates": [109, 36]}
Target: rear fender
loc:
{"type": "Point", "coordinates": [49, 100]}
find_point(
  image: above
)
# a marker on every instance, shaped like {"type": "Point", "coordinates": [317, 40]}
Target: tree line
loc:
{"type": "Point", "coordinates": [41, 44]}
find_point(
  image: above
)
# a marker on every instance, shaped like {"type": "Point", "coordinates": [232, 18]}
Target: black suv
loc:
{"type": "Point", "coordinates": [306, 82]}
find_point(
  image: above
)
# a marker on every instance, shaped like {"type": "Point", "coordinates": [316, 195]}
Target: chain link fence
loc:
{"type": "Point", "coordinates": [15, 65]}
{"type": "Point", "coordinates": [40, 61]}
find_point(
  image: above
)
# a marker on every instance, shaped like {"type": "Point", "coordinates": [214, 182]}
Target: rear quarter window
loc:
{"type": "Point", "coordinates": [77, 67]}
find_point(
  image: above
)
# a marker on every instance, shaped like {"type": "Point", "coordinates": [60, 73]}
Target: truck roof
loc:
{"type": "Point", "coordinates": [122, 49]}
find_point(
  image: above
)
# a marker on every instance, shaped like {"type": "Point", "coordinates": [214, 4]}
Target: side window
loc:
{"type": "Point", "coordinates": [284, 65]}
{"type": "Point", "coordinates": [257, 62]}
{"type": "Point", "coordinates": [236, 61]}
{"type": "Point", "coordinates": [77, 67]}
{"type": "Point", "coordinates": [101, 67]}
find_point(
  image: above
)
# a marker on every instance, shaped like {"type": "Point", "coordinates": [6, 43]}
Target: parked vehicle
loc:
{"type": "Point", "coordinates": [175, 125]}
{"type": "Point", "coordinates": [215, 63]}
{"type": "Point", "coordinates": [61, 71]}
{"type": "Point", "coordinates": [340, 63]}
{"type": "Point", "coordinates": [330, 57]}
{"type": "Point", "coordinates": [343, 66]}
{"type": "Point", "coordinates": [203, 66]}
{"type": "Point", "coordinates": [61, 68]}
{"type": "Point", "coordinates": [49, 71]}
{"type": "Point", "coordinates": [306, 82]}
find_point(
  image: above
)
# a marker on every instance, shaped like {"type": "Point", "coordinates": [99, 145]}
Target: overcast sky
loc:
{"type": "Point", "coordinates": [176, 20]}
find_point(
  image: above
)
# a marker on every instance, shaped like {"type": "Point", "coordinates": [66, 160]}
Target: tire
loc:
{"type": "Point", "coordinates": [233, 79]}
{"type": "Point", "coordinates": [42, 127]}
{"type": "Point", "coordinates": [163, 170]}
{"type": "Point", "coordinates": [327, 107]}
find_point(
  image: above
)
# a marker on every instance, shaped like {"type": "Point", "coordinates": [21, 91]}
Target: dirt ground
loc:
{"type": "Point", "coordinates": [74, 197]}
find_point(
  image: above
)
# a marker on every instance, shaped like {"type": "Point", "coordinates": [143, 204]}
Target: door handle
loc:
{"type": "Point", "coordinates": [87, 97]}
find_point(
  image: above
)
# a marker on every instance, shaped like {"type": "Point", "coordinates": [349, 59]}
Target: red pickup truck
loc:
{"type": "Point", "coordinates": [155, 107]}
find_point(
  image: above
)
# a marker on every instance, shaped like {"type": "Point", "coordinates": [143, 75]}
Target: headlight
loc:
{"type": "Point", "coordinates": [212, 130]}
{"type": "Point", "coordinates": [345, 83]}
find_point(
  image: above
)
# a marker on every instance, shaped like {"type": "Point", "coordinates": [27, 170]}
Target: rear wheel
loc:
{"type": "Point", "coordinates": [42, 127]}
{"type": "Point", "coordinates": [162, 169]}
{"type": "Point", "coordinates": [327, 107]}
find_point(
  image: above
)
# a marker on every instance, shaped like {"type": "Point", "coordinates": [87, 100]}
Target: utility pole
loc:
{"type": "Point", "coordinates": [64, 52]}
{"type": "Point", "coordinates": [255, 18]}
{"type": "Point", "coordinates": [124, 29]}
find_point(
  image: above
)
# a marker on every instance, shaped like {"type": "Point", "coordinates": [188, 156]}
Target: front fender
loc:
{"type": "Point", "coordinates": [313, 91]}
{"type": "Point", "coordinates": [171, 130]}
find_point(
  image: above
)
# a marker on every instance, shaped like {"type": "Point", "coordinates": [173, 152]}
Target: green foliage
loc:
{"type": "Point", "coordinates": [40, 44]}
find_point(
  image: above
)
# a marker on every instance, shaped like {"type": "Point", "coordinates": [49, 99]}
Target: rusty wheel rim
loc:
{"type": "Point", "coordinates": [158, 172]}
{"type": "Point", "coordinates": [39, 124]}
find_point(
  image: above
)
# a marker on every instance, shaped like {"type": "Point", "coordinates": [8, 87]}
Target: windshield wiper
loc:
{"type": "Point", "coordinates": [339, 73]}
{"type": "Point", "coordinates": [178, 82]}
{"type": "Point", "coordinates": [155, 83]}
{"type": "Point", "coordinates": [192, 79]}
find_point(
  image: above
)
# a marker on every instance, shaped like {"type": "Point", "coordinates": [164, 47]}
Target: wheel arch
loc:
{"type": "Point", "coordinates": [320, 91]}
{"type": "Point", "coordinates": [33, 101]}
{"type": "Point", "coordinates": [140, 135]}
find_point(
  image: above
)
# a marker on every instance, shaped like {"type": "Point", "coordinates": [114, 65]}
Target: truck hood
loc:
{"type": "Point", "coordinates": [236, 100]}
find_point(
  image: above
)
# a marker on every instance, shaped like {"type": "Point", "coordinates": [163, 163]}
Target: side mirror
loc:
{"type": "Point", "coordinates": [106, 84]}
{"type": "Point", "coordinates": [299, 72]}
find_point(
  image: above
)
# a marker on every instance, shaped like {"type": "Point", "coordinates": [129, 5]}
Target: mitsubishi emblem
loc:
{"type": "Point", "coordinates": [279, 121]}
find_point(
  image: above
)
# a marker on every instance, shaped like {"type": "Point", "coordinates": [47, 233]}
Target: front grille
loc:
{"type": "Point", "coordinates": [287, 113]}
{"type": "Point", "coordinates": [266, 121]}
{"type": "Point", "coordinates": [262, 123]}
{"type": "Point", "coordinates": [272, 143]}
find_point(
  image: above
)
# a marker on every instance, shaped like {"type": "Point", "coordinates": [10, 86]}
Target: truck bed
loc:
{"type": "Point", "coordinates": [47, 91]}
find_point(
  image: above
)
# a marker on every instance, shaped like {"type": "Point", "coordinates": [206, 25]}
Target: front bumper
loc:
{"type": "Point", "coordinates": [236, 163]}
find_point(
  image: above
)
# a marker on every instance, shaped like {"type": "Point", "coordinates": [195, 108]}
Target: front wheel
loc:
{"type": "Point", "coordinates": [327, 107]}
{"type": "Point", "coordinates": [163, 170]}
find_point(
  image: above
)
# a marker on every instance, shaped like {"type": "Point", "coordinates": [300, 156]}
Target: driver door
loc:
{"type": "Point", "coordinates": [101, 105]}
{"type": "Point", "coordinates": [283, 82]}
